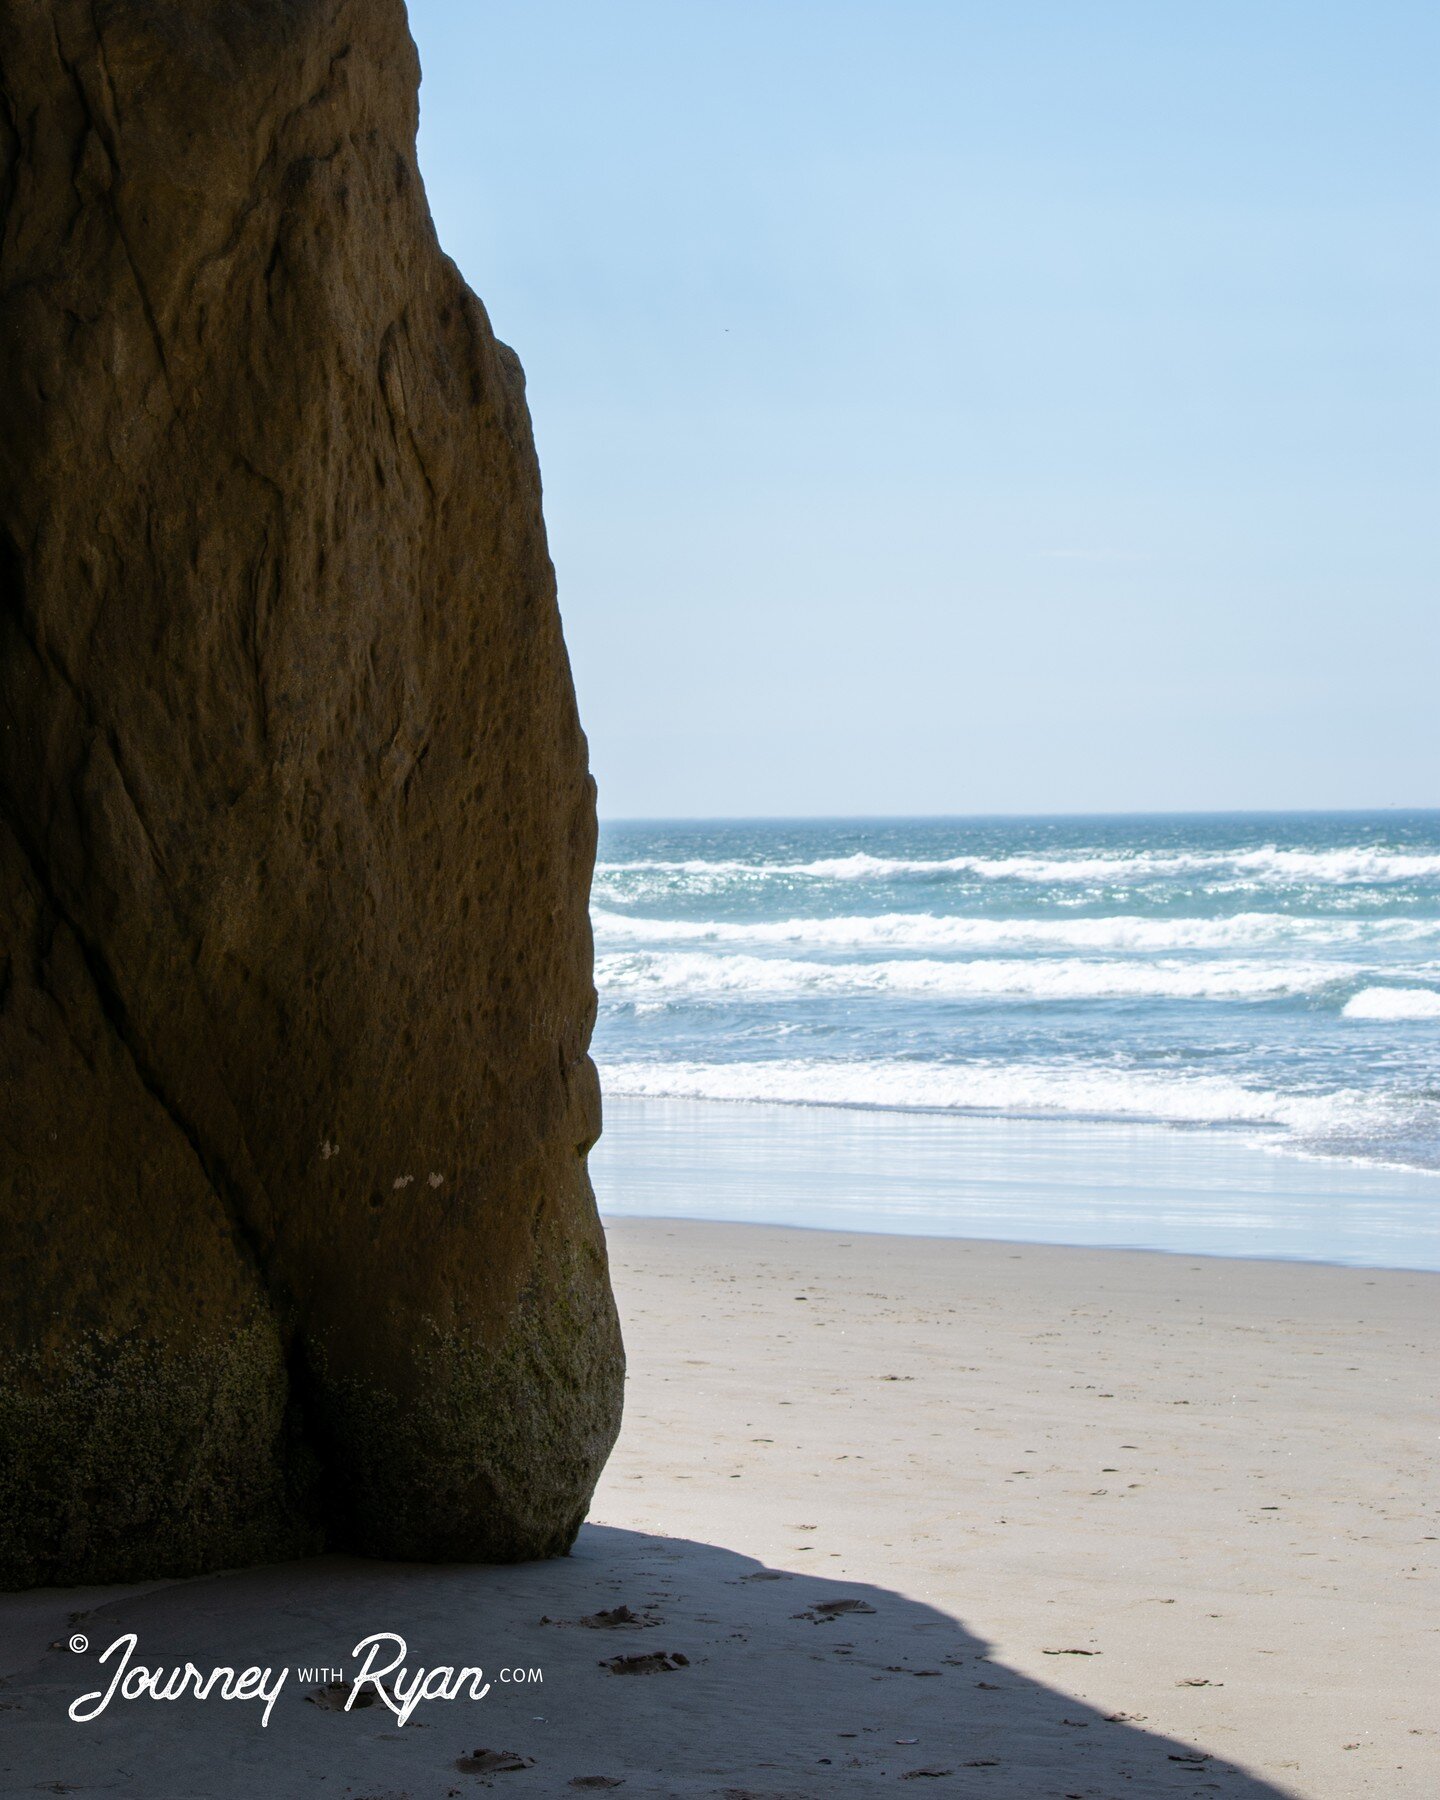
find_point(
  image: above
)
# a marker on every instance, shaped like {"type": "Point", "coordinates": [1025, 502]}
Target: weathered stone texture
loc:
{"type": "Point", "coordinates": [295, 829]}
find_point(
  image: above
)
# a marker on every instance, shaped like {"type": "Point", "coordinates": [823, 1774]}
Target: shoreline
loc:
{"type": "Point", "coordinates": [615, 1219]}
{"type": "Point", "coordinates": [1140, 1186]}
{"type": "Point", "coordinates": [1269, 1139]}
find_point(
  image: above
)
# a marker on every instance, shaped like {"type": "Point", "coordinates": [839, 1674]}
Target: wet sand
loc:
{"type": "Point", "coordinates": [981, 1519]}
{"type": "Point", "coordinates": [1112, 1185]}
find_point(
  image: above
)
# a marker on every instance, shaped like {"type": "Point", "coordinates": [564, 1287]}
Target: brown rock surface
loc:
{"type": "Point", "coordinates": [295, 830]}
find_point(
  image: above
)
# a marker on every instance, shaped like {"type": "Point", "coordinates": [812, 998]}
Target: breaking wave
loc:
{"type": "Point", "coordinates": [695, 975]}
{"type": "Point", "coordinates": [1266, 864]}
{"type": "Point", "coordinates": [1393, 1003]}
{"type": "Point", "coordinates": [929, 931]}
{"type": "Point", "coordinates": [1202, 971]}
{"type": "Point", "coordinates": [1017, 1091]}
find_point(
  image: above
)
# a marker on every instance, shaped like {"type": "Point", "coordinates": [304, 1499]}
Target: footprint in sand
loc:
{"type": "Point", "coordinates": [617, 1618]}
{"type": "Point", "coordinates": [492, 1762]}
{"type": "Point", "coordinates": [825, 1610]}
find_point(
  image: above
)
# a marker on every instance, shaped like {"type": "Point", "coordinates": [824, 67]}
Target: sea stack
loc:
{"type": "Point", "coordinates": [296, 831]}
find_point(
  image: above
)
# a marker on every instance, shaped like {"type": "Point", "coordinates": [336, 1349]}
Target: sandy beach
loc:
{"type": "Point", "coordinates": [1001, 1520]}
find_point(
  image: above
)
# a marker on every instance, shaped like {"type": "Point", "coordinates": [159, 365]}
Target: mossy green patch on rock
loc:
{"type": "Point", "coordinates": [510, 1434]}
{"type": "Point", "coordinates": [139, 1459]}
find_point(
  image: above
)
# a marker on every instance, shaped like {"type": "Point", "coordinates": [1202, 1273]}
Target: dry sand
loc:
{"type": "Point", "coordinates": [1217, 1478]}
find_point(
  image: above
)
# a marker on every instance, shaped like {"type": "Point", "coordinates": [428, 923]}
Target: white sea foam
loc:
{"type": "Point", "coordinates": [650, 976]}
{"type": "Point", "coordinates": [1019, 1090]}
{"type": "Point", "coordinates": [927, 931]}
{"type": "Point", "coordinates": [1393, 1003]}
{"type": "Point", "coordinates": [1265, 864]}
{"type": "Point", "coordinates": [1146, 974]}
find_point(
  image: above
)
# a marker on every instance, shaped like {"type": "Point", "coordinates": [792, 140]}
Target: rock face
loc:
{"type": "Point", "coordinates": [295, 830]}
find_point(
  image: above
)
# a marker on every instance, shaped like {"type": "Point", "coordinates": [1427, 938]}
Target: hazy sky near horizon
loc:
{"type": "Point", "coordinates": [950, 408]}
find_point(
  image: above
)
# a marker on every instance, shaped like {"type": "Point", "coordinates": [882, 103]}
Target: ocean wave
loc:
{"type": "Point", "coordinates": [928, 931]}
{"type": "Point", "coordinates": [651, 976]}
{"type": "Point", "coordinates": [1393, 1003]}
{"type": "Point", "coordinates": [1265, 864]}
{"type": "Point", "coordinates": [1017, 1090]}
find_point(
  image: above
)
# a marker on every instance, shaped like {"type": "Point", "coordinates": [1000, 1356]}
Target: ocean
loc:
{"type": "Point", "coordinates": [1269, 983]}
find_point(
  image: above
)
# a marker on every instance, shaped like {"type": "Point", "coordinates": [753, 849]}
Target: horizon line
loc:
{"type": "Point", "coordinates": [1182, 812]}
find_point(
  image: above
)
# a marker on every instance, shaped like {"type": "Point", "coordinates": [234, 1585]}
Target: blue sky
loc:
{"type": "Point", "coordinates": [969, 407]}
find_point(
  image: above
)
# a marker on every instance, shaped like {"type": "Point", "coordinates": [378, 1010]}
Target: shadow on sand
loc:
{"type": "Point", "coordinates": [752, 1684]}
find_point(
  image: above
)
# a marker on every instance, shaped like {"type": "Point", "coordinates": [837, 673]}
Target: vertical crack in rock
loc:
{"type": "Point", "coordinates": [296, 831]}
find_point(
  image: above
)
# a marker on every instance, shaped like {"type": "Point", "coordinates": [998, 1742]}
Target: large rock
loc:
{"type": "Point", "coordinates": [295, 830]}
